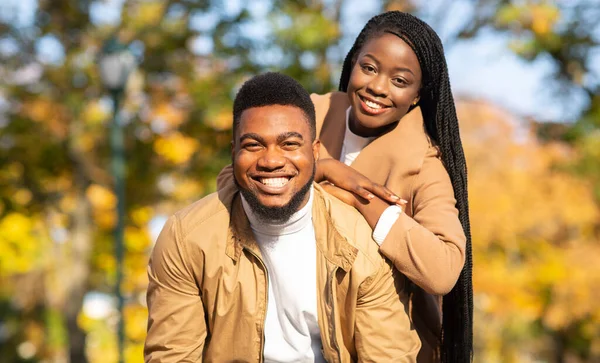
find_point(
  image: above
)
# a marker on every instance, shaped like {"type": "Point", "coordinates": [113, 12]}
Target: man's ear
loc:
{"type": "Point", "coordinates": [316, 146]}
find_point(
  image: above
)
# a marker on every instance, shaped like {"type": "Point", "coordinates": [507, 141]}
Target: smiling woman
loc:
{"type": "Point", "coordinates": [378, 149]}
{"type": "Point", "coordinates": [384, 84]}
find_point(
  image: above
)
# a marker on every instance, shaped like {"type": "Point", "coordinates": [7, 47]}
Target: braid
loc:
{"type": "Point", "coordinates": [441, 123]}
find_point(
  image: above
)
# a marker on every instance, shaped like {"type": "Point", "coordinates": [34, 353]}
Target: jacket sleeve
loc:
{"type": "Point", "coordinates": [429, 248]}
{"type": "Point", "coordinates": [383, 330]}
{"type": "Point", "coordinates": [176, 325]}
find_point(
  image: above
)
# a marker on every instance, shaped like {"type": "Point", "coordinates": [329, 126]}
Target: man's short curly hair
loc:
{"type": "Point", "coordinates": [273, 89]}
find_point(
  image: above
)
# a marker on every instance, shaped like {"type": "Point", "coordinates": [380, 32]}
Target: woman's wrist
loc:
{"type": "Point", "coordinates": [371, 210]}
{"type": "Point", "coordinates": [321, 170]}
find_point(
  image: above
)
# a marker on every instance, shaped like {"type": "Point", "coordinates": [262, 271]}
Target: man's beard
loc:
{"type": "Point", "coordinates": [277, 215]}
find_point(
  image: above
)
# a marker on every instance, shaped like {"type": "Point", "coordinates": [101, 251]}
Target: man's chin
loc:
{"type": "Point", "coordinates": [273, 201]}
{"type": "Point", "coordinates": [276, 209]}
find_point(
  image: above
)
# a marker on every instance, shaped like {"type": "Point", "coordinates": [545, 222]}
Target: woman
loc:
{"type": "Point", "coordinates": [396, 66]}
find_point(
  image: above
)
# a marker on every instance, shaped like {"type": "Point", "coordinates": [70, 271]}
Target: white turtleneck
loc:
{"type": "Point", "coordinates": [289, 252]}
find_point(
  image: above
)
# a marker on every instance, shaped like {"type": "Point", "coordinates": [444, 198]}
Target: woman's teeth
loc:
{"type": "Point", "coordinates": [374, 105]}
{"type": "Point", "coordinates": [274, 182]}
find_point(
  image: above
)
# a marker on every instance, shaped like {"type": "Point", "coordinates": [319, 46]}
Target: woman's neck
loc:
{"type": "Point", "coordinates": [360, 130]}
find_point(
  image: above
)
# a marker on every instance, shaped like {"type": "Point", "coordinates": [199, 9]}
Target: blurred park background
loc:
{"type": "Point", "coordinates": [526, 76]}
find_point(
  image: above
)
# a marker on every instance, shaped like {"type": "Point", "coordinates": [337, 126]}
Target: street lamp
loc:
{"type": "Point", "coordinates": [116, 64]}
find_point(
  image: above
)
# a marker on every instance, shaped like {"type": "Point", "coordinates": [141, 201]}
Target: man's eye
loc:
{"type": "Point", "coordinates": [251, 146]}
{"type": "Point", "coordinates": [291, 145]}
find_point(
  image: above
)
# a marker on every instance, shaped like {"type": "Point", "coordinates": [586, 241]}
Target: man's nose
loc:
{"type": "Point", "coordinates": [378, 86]}
{"type": "Point", "coordinates": [271, 159]}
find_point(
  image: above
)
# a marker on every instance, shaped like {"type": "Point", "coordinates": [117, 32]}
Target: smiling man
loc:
{"type": "Point", "coordinates": [271, 268]}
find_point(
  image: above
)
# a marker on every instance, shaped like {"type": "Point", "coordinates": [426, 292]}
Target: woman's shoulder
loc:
{"type": "Point", "coordinates": [330, 109]}
{"type": "Point", "coordinates": [328, 102]}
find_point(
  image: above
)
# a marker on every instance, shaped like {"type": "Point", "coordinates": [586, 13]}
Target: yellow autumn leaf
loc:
{"type": "Point", "coordinates": [136, 317]}
{"type": "Point", "coordinates": [543, 18]}
{"type": "Point", "coordinates": [140, 216]}
{"type": "Point", "coordinates": [136, 239]}
{"type": "Point", "coordinates": [169, 114]}
{"type": "Point", "coordinates": [175, 147]}
{"type": "Point", "coordinates": [21, 244]}
{"type": "Point", "coordinates": [94, 113]}
{"type": "Point", "coordinates": [101, 197]}
{"type": "Point", "coordinates": [22, 196]}
{"type": "Point", "coordinates": [219, 118]}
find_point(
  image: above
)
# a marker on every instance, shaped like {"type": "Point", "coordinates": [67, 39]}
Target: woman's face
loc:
{"type": "Point", "coordinates": [384, 83]}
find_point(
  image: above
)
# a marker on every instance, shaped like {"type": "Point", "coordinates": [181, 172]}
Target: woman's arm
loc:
{"type": "Point", "coordinates": [428, 248]}
{"type": "Point", "coordinates": [350, 180]}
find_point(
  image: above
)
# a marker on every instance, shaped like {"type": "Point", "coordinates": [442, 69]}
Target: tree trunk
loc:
{"type": "Point", "coordinates": [78, 273]}
{"type": "Point", "coordinates": [67, 282]}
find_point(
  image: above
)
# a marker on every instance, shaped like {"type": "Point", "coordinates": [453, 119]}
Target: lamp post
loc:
{"type": "Point", "coordinates": [116, 64]}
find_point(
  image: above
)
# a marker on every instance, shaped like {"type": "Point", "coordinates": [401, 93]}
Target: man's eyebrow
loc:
{"type": "Point", "coordinates": [287, 135]}
{"type": "Point", "coordinates": [253, 136]}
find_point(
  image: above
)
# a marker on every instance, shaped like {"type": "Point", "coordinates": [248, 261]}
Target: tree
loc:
{"type": "Point", "coordinates": [57, 209]}
{"type": "Point", "coordinates": [534, 240]}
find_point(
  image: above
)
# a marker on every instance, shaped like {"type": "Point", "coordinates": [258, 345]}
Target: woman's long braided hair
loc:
{"type": "Point", "coordinates": [441, 123]}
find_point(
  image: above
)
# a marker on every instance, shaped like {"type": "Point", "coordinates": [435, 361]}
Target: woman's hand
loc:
{"type": "Point", "coordinates": [343, 195]}
{"type": "Point", "coordinates": [370, 209]}
{"type": "Point", "coordinates": [350, 180]}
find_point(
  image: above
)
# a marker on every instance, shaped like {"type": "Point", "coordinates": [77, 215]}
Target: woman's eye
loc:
{"type": "Point", "coordinates": [400, 82]}
{"type": "Point", "coordinates": [368, 68]}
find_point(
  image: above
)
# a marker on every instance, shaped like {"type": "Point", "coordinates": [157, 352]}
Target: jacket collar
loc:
{"type": "Point", "coordinates": [334, 247]}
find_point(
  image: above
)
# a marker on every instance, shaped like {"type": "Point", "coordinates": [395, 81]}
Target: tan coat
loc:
{"type": "Point", "coordinates": [207, 296]}
{"type": "Point", "coordinates": [427, 243]}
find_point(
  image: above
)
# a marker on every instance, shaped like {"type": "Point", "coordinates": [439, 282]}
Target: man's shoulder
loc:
{"type": "Point", "coordinates": [353, 227]}
{"type": "Point", "coordinates": [208, 213]}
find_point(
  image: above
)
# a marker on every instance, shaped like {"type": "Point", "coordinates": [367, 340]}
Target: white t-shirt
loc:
{"type": "Point", "coordinates": [351, 148]}
{"type": "Point", "coordinates": [289, 252]}
{"type": "Point", "coordinates": [352, 144]}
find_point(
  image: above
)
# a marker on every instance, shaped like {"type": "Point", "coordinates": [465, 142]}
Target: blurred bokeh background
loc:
{"type": "Point", "coordinates": [526, 76]}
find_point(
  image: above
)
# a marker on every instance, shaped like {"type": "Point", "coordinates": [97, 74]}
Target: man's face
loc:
{"type": "Point", "coordinates": [274, 158]}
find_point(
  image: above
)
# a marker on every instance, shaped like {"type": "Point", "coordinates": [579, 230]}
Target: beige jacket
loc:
{"type": "Point", "coordinates": [427, 243]}
{"type": "Point", "coordinates": [207, 296]}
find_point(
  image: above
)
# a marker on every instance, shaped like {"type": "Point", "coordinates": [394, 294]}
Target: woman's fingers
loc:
{"type": "Point", "coordinates": [383, 192]}
{"type": "Point", "coordinates": [363, 192]}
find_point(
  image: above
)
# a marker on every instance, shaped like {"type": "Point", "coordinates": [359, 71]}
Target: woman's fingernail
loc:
{"type": "Point", "coordinates": [370, 196]}
{"type": "Point", "coordinates": [395, 197]}
{"type": "Point", "coordinates": [403, 201]}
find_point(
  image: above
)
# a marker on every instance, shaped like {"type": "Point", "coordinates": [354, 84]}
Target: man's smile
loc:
{"type": "Point", "coordinates": [273, 183]}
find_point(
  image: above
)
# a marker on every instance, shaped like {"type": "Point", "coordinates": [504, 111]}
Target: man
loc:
{"type": "Point", "coordinates": [272, 268]}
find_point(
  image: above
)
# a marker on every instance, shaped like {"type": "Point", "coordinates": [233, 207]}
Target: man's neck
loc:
{"type": "Point", "coordinates": [295, 223]}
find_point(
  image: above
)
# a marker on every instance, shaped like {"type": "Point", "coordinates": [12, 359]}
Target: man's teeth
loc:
{"type": "Point", "coordinates": [373, 104]}
{"type": "Point", "coordinates": [274, 182]}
